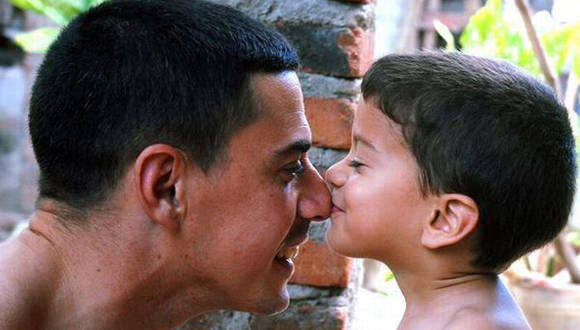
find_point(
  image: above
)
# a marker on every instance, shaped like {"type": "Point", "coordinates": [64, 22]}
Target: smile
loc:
{"type": "Point", "coordinates": [290, 252]}
{"type": "Point", "coordinates": [336, 209]}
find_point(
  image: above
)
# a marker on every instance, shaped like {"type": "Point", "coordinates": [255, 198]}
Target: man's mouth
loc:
{"type": "Point", "coordinates": [290, 252]}
{"type": "Point", "coordinates": [291, 246]}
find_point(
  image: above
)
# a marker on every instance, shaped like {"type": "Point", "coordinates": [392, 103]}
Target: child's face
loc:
{"type": "Point", "coordinates": [378, 208]}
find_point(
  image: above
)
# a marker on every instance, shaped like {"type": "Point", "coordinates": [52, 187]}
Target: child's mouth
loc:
{"type": "Point", "coordinates": [336, 209]}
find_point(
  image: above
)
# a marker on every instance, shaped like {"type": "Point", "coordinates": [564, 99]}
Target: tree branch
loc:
{"type": "Point", "coordinates": [539, 51]}
{"type": "Point", "coordinates": [563, 248]}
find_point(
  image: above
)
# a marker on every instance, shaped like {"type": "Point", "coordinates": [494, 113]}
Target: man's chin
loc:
{"type": "Point", "coordinates": [273, 305]}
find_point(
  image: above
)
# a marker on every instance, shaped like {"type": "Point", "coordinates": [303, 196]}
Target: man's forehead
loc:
{"type": "Point", "coordinates": [283, 121]}
{"type": "Point", "coordinates": [277, 93]}
{"type": "Point", "coordinates": [263, 81]}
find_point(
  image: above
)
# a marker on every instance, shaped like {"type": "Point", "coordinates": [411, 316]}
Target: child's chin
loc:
{"type": "Point", "coordinates": [339, 245]}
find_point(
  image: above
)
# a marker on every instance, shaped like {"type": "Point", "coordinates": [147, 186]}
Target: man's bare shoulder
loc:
{"type": "Point", "coordinates": [22, 285]}
{"type": "Point", "coordinates": [14, 298]}
{"type": "Point", "coordinates": [478, 319]}
{"type": "Point", "coordinates": [15, 312]}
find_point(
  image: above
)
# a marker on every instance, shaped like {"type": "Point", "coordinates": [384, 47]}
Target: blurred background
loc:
{"type": "Point", "coordinates": [543, 281]}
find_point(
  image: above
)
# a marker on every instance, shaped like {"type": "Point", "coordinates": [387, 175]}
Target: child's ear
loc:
{"type": "Point", "coordinates": [454, 218]}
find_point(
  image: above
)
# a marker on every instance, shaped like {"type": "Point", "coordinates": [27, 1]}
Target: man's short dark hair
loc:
{"type": "Point", "coordinates": [486, 129]}
{"type": "Point", "coordinates": [131, 73]}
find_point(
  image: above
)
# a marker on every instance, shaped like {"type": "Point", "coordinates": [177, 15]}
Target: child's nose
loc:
{"type": "Point", "coordinates": [336, 175]}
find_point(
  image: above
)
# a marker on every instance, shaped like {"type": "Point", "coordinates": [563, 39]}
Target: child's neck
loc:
{"type": "Point", "coordinates": [432, 300]}
{"type": "Point", "coordinates": [425, 289]}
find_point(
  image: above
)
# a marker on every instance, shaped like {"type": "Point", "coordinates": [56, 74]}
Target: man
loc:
{"type": "Point", "coordinates": [171, 140]}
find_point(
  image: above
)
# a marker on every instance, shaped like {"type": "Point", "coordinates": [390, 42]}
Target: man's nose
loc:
{"type": "Point", "coordinates": [314, 199]}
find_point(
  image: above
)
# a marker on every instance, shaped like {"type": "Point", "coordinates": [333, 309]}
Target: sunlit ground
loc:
{"type": "Point", "coordinates": [383, 307]}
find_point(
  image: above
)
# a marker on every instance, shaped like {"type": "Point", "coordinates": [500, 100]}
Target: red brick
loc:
{"type": "Point", "coordinates": [330, 50]}
{"type": "Point", "coordinates": [359, 46]}
{"type": "Point", "coordinates": [330, 120]}
{"type": "Point", "coordinates": [318, 265]}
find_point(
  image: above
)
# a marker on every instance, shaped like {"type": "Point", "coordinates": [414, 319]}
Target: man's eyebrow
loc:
{"type": "Point", "coordinates": [360, 139]}
{"type": "Point", "coordinates": [296, 147]}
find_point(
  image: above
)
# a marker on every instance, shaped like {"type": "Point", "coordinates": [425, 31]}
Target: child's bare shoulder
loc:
{"type": "Point", "coordinates": [474, 318]}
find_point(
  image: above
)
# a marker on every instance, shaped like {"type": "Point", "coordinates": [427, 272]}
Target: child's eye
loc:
{"type": "Point", "coordinates": [355, 164]}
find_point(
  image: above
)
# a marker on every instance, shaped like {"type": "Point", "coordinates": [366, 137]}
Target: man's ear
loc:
{"type": "Point", "coordinates": [159, 175]}
{"type": "Point", "coordinates": [454, 218]}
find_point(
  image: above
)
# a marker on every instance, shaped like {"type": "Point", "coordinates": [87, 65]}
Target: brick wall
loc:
{"type": "Point", "coordinates": [335, 43]}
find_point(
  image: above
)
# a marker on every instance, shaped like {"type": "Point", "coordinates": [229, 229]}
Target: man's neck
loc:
{"type": "Point", "coordinates": [96, 282]}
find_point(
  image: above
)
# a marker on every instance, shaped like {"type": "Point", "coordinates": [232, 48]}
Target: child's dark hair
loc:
{"type": "Point", "coordinates": [485, 129]}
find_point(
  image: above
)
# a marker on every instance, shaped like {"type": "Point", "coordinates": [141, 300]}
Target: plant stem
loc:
{"type": "Point", "coordinates": [571, 89]}
{"type": "Point", "coordinates": [539, 51]}
{"type": "Point", "coordinates": [563, 248]}
{"type": "Point", "coordinates": [527, 262]}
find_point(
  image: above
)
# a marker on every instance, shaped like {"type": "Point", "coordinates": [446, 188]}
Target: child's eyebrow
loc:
{"type": "Point", "coordinates": [358, 138]}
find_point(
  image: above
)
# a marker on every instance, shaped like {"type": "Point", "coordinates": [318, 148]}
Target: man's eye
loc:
{"type": "Point", "coordinates": [296, 170]}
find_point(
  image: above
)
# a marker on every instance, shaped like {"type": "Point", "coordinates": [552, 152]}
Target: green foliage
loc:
{"type": "Point", "coordinates": [389, 276]}
{"type": "Point", "coordinates": [574, 238]}
{"type": "Point", "coordinates": [36, 41]}
{"type": "Point", "coordinates": [491, 33]}
{"type": "Point", "coordinates": [494, 31]}
{"type": "Point", "coordinates": [550, 270]}
{"type": "Point", "coordinates": [564, 43]}
{"type": "Point", "coordinates": [497, 30]}
{"type": "Point", "coordinates": [60, 12]}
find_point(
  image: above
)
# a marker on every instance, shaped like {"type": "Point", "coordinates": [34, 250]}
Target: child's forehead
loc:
{"type": "Point", "coordinates": [373, 126]}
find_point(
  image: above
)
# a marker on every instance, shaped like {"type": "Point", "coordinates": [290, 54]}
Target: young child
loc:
{"type": "Point", "coordinates": [458, 166]}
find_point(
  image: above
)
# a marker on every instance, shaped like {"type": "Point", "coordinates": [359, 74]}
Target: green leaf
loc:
{"type": "Point", "coordinates": [557, 44]}
{"type": "Point", "coordinates": [576, 63]}
{"type": "Point", "coordinates": [446, 34]}
{"type": "Point", "coordinates": [92, 3]}
{"type": "Point", "coordinates": [573, 238]}
{"type": "Point", "coordinates": [37, 41]}
{"type": "Point", "coordinates": [22, 4]}
{"type": "Point", "coordinates": [495, 6]}
{"type": "Point", "coordinates": [551, 266]}
{"type": "Point", "coordinates": [575, 49]}
{"type": "Point", "coordinates": [59, 11]}
{"type": "Point", "coordinates": [484, 33]}
{"type": "Point", "coordinates": [389, 276]}
{"type": "Point", "coordinates": [62, 11]}
{"type": "Point", "coordinates": [527, 60]}
{"type": "Point", "coordinates": [482, 23]}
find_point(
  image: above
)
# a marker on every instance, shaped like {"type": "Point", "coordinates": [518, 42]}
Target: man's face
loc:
{"type": "Point", "coordinates": [254, 210]}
